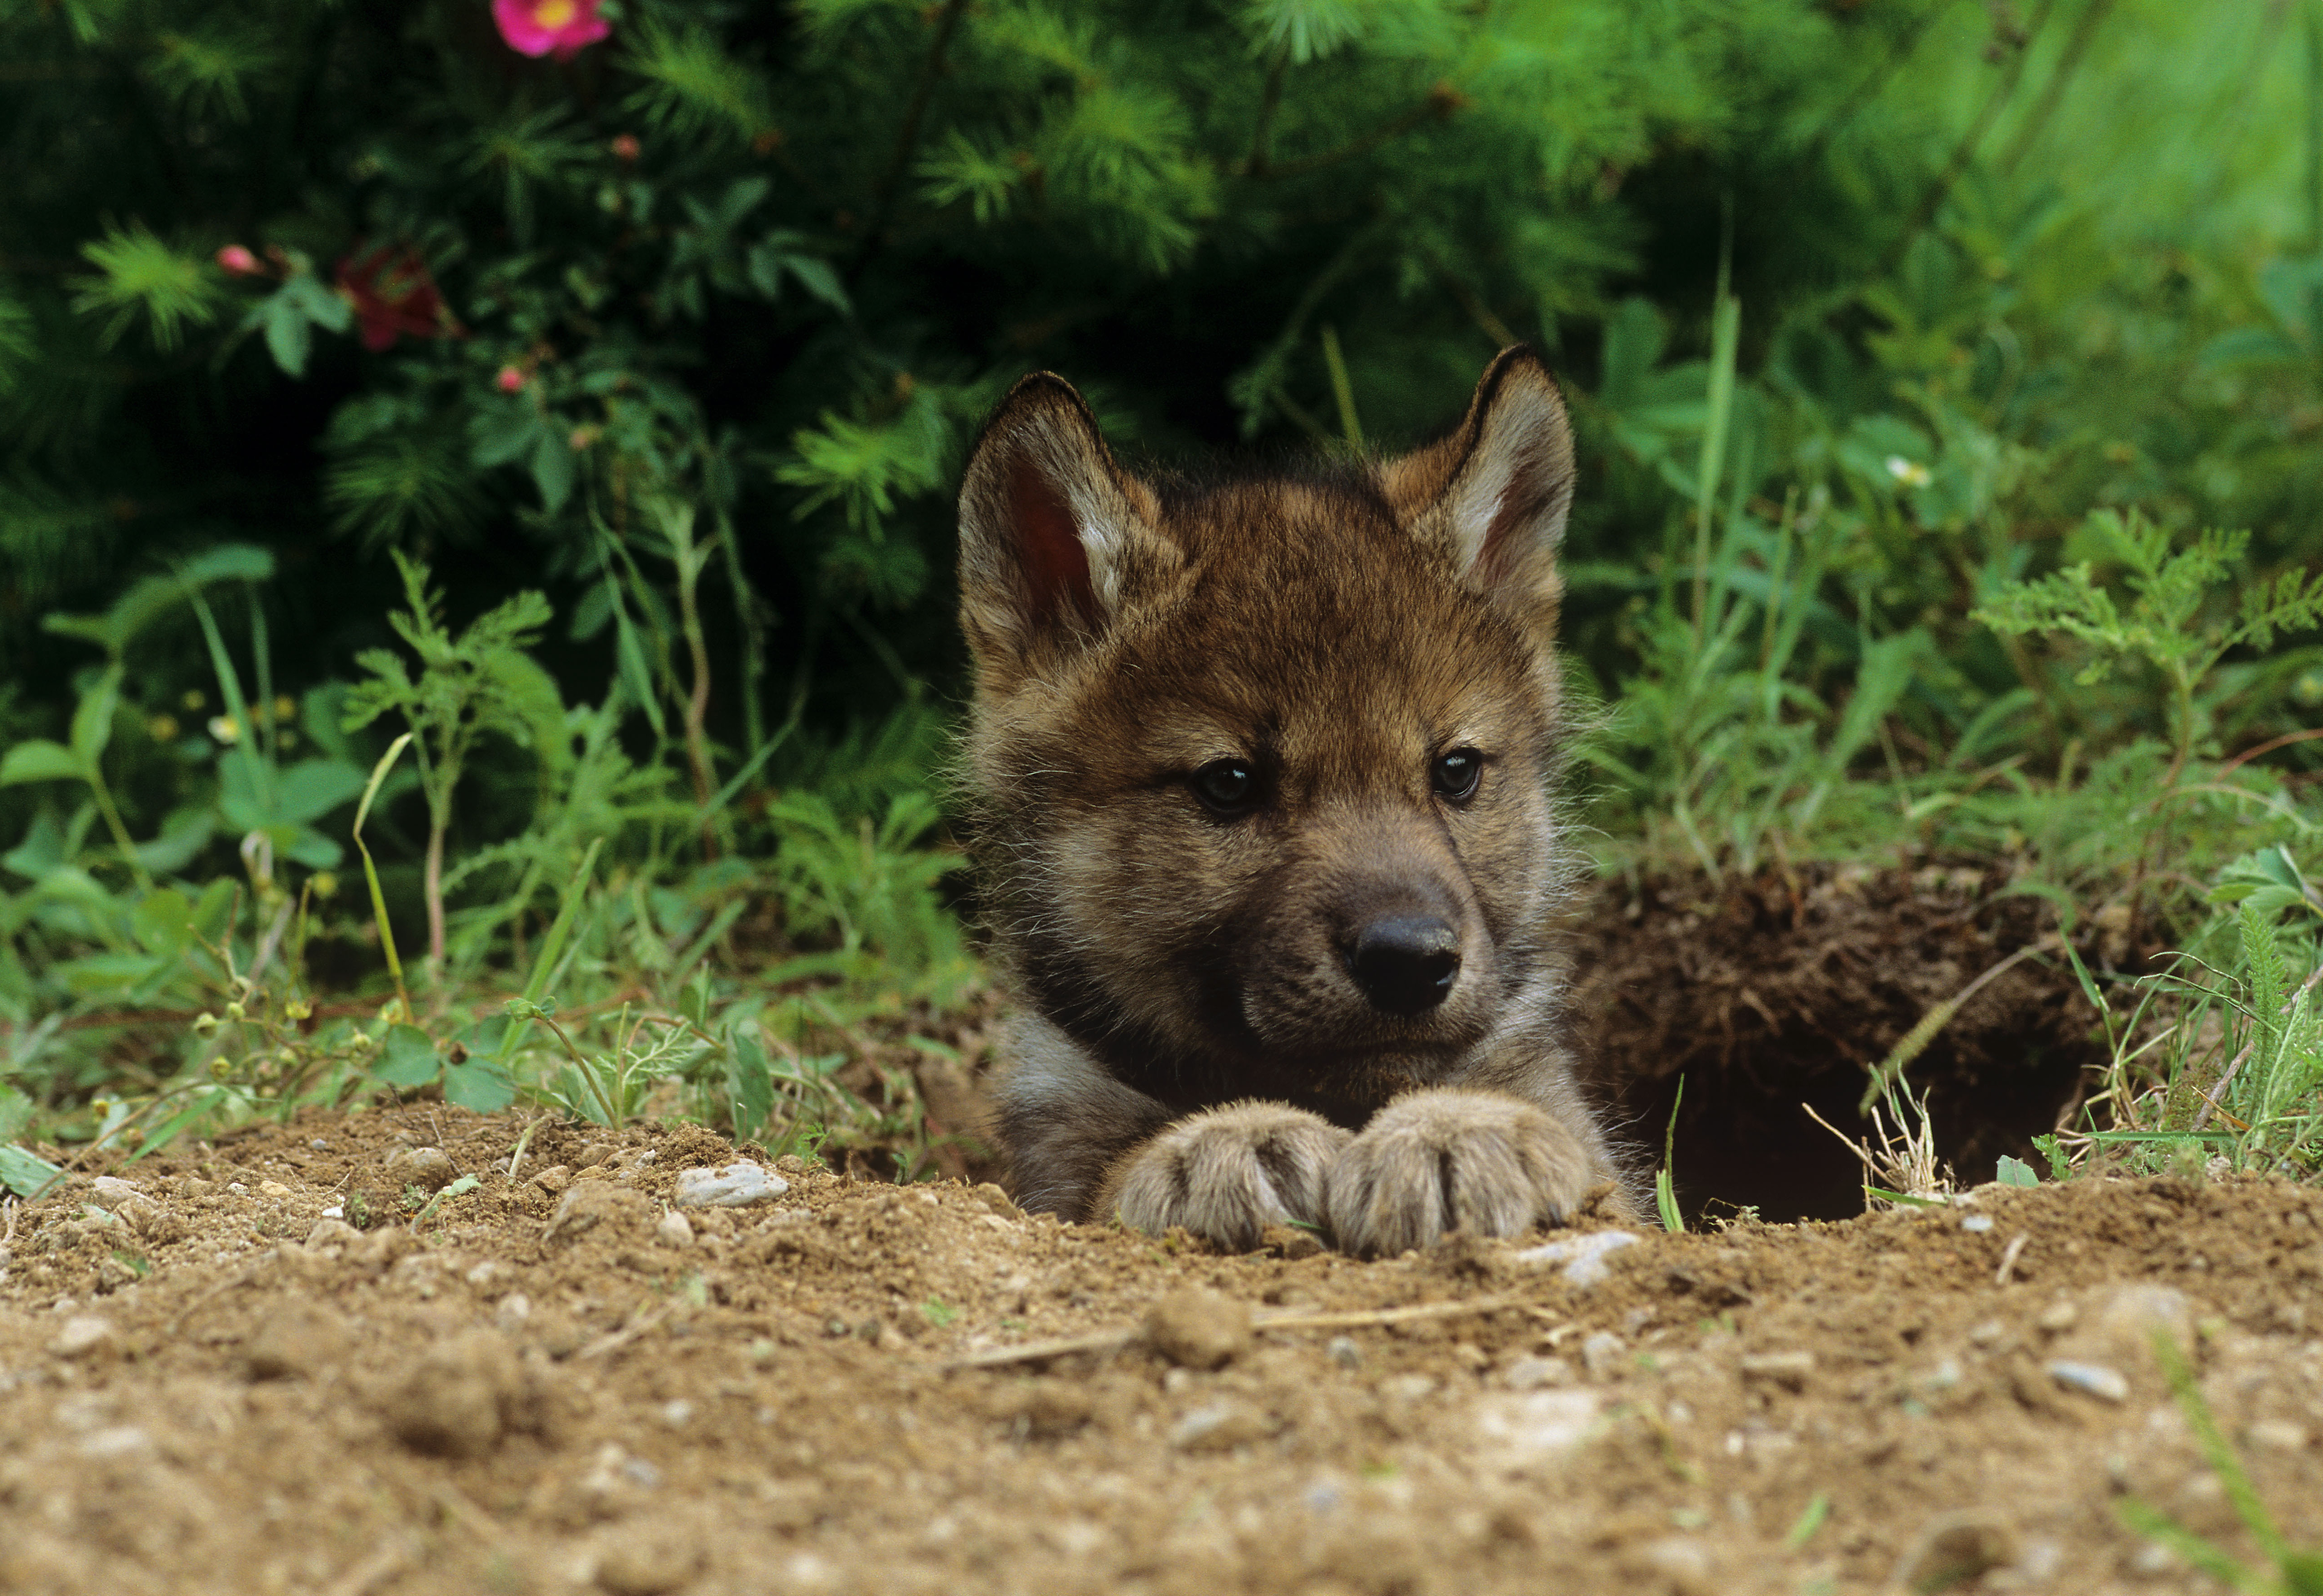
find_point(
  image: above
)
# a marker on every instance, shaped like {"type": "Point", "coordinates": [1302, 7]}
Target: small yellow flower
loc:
{"type": "Point", "coordinates": [1911, 473]}
{"type": "Point", "coordinates": [327, 884]}
{"type": "Point", "coordinates": [286, 708]}
{"type": "Point", "coordinates": [225, 728]}
{"type": "Point", "coordinates": [162, 729]}
{"type": "Point", "coordinates": [194, 700]}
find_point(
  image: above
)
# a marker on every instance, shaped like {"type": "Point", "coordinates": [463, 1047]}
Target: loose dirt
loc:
{"type": "Point", "coordinates": [549, 1383]}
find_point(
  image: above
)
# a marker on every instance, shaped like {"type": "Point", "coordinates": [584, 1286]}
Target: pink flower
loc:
{"type": "Point", "coordinates": [542, 27]}
{"type": "Point", "coordinates": [238, 261]}
{"type": "Point", "coordinates": [509, 381]}
{"type": "Point", "coordinates": [394, 296]}
{"type": "Point", "coordinates": [625, 146]}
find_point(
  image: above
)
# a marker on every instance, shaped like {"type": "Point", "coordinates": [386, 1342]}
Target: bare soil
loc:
{"type": "Point", "coordinates": [208, 1385]}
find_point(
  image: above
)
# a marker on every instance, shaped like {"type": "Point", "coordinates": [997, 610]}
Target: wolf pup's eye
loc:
{"type": "Point", "coordinates": [1454, 774]}
{"type": "Point", "coordinates": [1226, 787]}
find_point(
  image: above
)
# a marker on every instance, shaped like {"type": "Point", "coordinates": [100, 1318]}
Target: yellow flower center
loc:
{"type": "Point", "coordinates": [553, 13]}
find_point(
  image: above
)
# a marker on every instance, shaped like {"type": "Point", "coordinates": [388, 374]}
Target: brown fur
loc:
{"type": "Point", "coordinates": [1199, 1040]}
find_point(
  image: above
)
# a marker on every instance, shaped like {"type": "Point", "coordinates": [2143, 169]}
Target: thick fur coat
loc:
{"type": "Point", "coordinates": [1262, 771]}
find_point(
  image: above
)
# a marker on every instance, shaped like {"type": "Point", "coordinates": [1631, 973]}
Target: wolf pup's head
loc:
{"type": "Point", "coordinates": [1261, 764]}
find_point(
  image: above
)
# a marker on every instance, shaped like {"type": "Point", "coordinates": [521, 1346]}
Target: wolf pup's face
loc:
{"type": "Point", "coordinates": [1262, 765]}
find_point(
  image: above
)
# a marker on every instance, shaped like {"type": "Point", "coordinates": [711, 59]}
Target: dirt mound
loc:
{"type": "Point", "coordinates": [208, 1382]}
{"type": "Point", "coordinates": [1765, 994]}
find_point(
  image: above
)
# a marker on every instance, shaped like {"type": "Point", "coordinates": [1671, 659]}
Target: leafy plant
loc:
{"type": "Point", "coordinates": [479, 682]}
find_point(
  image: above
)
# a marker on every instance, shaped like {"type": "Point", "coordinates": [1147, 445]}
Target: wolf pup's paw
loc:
{"type": "Point", "coordinates": [1230, 1172]}
{"type": "Point", "coordinates": [1450, 1160]}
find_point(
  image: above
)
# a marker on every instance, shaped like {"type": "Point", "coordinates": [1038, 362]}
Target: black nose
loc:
{"type": "Point", "coordinates": [1405, 963]}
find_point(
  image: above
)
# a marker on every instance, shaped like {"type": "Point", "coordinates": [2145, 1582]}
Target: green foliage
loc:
{"type": "Point", "coordinates": [142, 275]}
{"type": "Point", "coordinates": [2288, 1571]}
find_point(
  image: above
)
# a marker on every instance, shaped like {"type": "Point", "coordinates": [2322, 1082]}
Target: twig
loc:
{"type": "Point", "coordinates": [2008, 1257]}
{"type": "Point", "coordinates": [615, 1340]}
{"type": "Point", "coordinates": [2218, 1090]}
{"type": "Point", "coordinates": [1113, 1340]}
{"type": "Point", "coordinates": [2269, 747]}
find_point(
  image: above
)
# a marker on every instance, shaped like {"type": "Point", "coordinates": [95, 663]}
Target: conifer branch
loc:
{"type": "Point", "coordinates": [907, 139]}
{"type": "Point", "coordinates": [1441, 102]}
{"type": "Point", "coordinates": [1270, 100]}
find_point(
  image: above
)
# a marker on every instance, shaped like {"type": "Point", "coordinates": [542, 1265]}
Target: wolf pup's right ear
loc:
{"type": "Point", "coordinates": [1048, 526]}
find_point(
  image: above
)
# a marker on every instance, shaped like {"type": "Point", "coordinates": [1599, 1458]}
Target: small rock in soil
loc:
{"type": "Point", "coordinates": [1220, 1426]}
{"type": "Point", "coordinates": [110, 1191]}
{"type": "Point", "coordinates": [1199, 1328]}
{"type": "Point", "coordinates": [2093, 1380]}
{"type": "Point", "coordinates": [674, 1231]}
{"type": "Point", "coordinates": [1583, 1256]}
{"type": "Point", "coordinates": [332, 1232]}
{"type": "Point", "coordinates": [738, 1185]}
{"type": "Point", "coordinates": [88, 1337]}
{"type": "Point", "coordinates": [647, 1560]}
{"type": "Point", "coordinates": [1601, 1353]}
{"type": "Point", "coordinates": [1529, 1373]}
{"type": "Point", "coordinates": [998, 1201]}
{"type": "Point", "coordinates": [591, 1203]}
{"type": "Point", "coordinates": [1954, 1551]}
{"type": "Point", "coordinates": [454, 1402]}
{"type": "Point", "coordinates": [1289, 1241]}
{"type": "Point", "coordinates": [298, 1338]}
{"type": "Point", "coordinates": [1045, 1409]}
{"type": "Point", "coordinates": [1536, 1426]}
{"type": "Point", "coordinates": [427, 1168]}
{"type": "Point", "coordinates": [1787, 1370]}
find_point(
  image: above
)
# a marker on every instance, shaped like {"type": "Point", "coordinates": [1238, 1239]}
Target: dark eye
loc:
{"type": "Point", "coordinates": [1453, 775]}
{"type": "Point", "coordinates": [1226, 787]}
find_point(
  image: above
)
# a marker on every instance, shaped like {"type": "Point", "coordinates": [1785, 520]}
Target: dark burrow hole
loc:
{"type": "Point", "coordinates": [1783, 990]}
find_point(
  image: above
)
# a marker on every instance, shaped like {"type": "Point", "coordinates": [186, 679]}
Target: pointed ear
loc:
{"type": "Point", "coordinates": [1497, 491]}
{"type": "Point", "coordinates": [1047, 522]}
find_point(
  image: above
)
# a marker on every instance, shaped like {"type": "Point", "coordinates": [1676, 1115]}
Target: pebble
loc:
{"type": "Point", "coordinates": [1601, 1353]}
{"type": "Point", "coordinates": [453, 1401]}
{"type": "Point", "coordinates": [2058, 1317]}
{"type": "Point", "coordinates": [1343, 1351]}
{"type": "Point", "coordinates": [87, 1336]}
{"type": "Point", "coordinates": [1535, 1425]}
{"type": "Point", "coordinates": [1531, 1374]}
{"type": "Point", "coordinates": [110, 1191]}
{"type": "Point", "coordinates": [553, 1179]}
{"type": "Point", "coordinates": [275, 1189]}
{"type": "Point", "coordinates": [1787, 1370]}
{"type": "Point", "coordinates": [650, 1560]}
{"type": "Point", "coordinates": [429, 1168]}
{"type": "Point", "coordinates": [1977, 1223]}
{"type": "Point", "coordinates": [299, 1338]}
{"type": "Point", "coordinates": [1954, 1552]}
{"type": "Point", "coordinates": [2092, 1379]}
{"type": "Point", "coordinates": [1583, 1256]}
{"type": "Point", "coordinates": [2278, 1435]}
{"type": "Point", "coordinates": [332, 1232]}
{"type": "Point", "coordinates": [738, 1185]}
{"type": "Point", "coordinates": [591, 1203]}
{"type": "Point", "coordinates": [674, 1231]}
{"type": "Point", "coordinates": [1219, 1426]}
{"type": "Point", "coordinates": [1199, 1328]}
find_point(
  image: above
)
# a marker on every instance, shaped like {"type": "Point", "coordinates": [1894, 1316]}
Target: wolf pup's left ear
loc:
{"type": "Point", "coordinates": [1048, 526]}
{"type": "Point", "coordinates": [1498, 489]}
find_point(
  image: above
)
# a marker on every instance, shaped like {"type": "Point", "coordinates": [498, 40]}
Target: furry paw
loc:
{"type": "Point", "coordinates": [1228, 1174]}
{"type": "Point", "coordinates": [1449, 1159]}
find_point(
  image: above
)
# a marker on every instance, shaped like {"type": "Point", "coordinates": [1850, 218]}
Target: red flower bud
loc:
{"type": "Point", "coordinates": [238, 261]}
{"type": "Point", "coordinates": [625, 146]}
{"type": "Point", "coordinates": [509, 381]}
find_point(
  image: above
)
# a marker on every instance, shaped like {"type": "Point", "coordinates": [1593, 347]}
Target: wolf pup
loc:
{"type": "Point", "coordinates": [1261, 773]}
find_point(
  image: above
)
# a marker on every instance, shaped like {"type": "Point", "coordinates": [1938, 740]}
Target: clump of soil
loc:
{"type": "Point", "coordinates": [1790, 988]}
{"type": "Point", "coordinates": [207, 1383]}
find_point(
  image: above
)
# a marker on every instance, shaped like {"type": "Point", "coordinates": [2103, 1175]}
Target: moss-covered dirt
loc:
{"type": "Point", "coordinates": [206, 1384]}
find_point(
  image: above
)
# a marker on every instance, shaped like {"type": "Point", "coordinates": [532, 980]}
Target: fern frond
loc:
{"type": "Point", "coordinates": [694, 88]}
